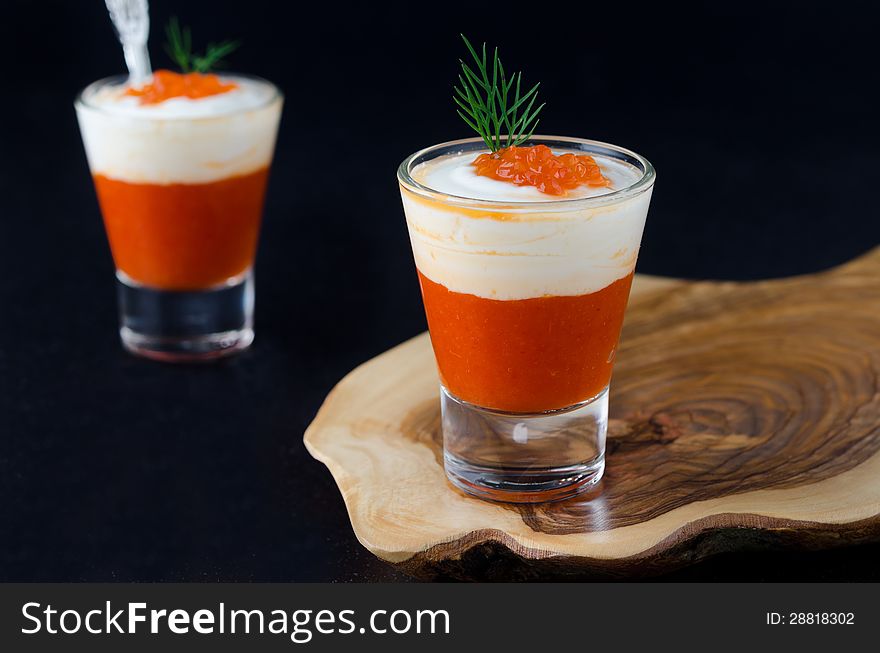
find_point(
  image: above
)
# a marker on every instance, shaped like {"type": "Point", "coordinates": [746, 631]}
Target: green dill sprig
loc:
{"type": "Point", "coordinates": [179, 48]}
{"type": "Point", "coordinates": [486, 105]}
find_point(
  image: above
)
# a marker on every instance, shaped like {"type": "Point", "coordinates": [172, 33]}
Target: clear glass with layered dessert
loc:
{"type": "Point", "coordinates": [180, 164]}
{"type": "Point", "coordinates": [525, 287]}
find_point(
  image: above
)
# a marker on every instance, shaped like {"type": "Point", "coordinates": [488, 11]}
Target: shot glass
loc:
{"type": "Point", "coordinates": [181, 194]}
{"type": "Point", "coordinates": [525, 302]}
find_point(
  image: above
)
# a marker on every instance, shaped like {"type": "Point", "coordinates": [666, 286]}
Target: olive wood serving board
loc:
{"type": "Point", "coordinates": [743, 415]}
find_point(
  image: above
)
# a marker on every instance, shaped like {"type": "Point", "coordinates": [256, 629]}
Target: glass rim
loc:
{"type": "Point", "coordinates": [81, 101]}
{"type": "Point", "coordinates": [644, 183]}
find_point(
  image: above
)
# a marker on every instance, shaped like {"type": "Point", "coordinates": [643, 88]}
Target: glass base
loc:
{"type": "Point", "coordinates": [524, 458]}
{"type": "Point", "coordinates": [186, 326]}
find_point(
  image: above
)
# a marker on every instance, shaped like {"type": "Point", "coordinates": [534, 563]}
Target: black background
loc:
{"type": "Point", "coordinates": [759, 119]}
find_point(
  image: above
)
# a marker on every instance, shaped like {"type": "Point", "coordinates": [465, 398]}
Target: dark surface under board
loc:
{"type": "Point", "coordinates": [111, 468]}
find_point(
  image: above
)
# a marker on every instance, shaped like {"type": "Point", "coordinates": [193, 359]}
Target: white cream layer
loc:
{"type": "Point", "coordinates": [527, 253]}
{"type": "Point", "coordinates": [180, 140]}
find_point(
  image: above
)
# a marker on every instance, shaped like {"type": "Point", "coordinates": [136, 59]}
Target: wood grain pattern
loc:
{"type": "Point", "coordinates": [742, 415]}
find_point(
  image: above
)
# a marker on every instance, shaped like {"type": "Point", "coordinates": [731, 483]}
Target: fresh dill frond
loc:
{"type": "Point", "coordinates": [179, 48]}
{"type": "Point", "coordinates": [485, 102]}
{"type": "Point", "coordinates": [214, 54]}
{"type": "Point", "coordinates": [179, 45]}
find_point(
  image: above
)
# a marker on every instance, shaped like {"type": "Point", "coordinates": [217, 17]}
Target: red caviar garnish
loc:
{"type": "Point", "coordinates": [537, 166]}
{"type": "Point", "coordinates": [167, 84]}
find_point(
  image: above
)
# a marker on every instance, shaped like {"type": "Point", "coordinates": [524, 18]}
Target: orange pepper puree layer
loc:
{"type": "Point", "coordinates": [537, 166]}
{"type": "Point", "coordinates": [167, 84]}
{"type": "Point", "coordinates": [183, 236]}
{"type": "Point", "coordinates": [527, 355]}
